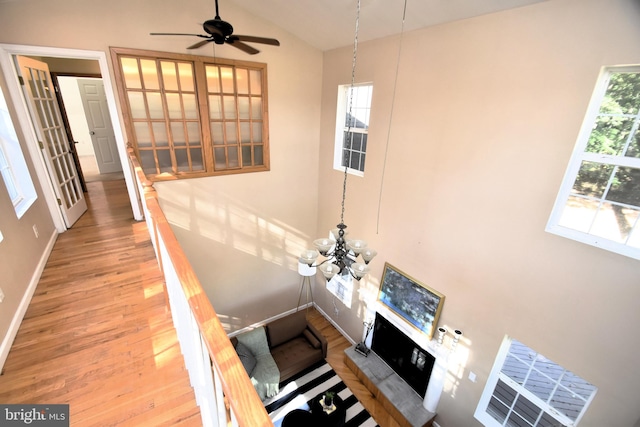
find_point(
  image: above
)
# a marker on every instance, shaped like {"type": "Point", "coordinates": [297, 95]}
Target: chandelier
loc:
{"type": "Point", "coordinates": [342, 255]}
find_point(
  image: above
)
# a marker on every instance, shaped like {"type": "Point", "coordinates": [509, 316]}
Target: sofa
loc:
{"type": "Point", "coordinates": [273, 353]}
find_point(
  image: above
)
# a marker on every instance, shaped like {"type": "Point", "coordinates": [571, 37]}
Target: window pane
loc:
{"type": "Point", "coordinates": [232, 152]}
{"type": "Point", "coordinates": [182, 160]}
{"type": "Point", "coordinates": [186, 77]}
{"type": "Point", "coordinates": [256, 82]}
{"type": "Point", "coordinates": [147, 161]}
{"type": "Point", "coordinates": [623, 94]}
{"type": "Point", "coordinates": [190, 106]}
{"type": "Point", "coordinates": [614, 222]}
{"type": "Point", "coordinates": [142, 134]}
{"type": "Point", "coordinates": [229, 107]}
{"type": "Point", "coordinates": [217, 135]}
{"type": "Point", "coordinates": [149, 74]}
{"type": "Point", "coordinates": [174, 106]}
{"type": "Point", "coordinates": [246, 155]}
{"type": "Point", "coordinates": [193, 133]}
{"type": "Point", "coordinates": [227, 79]}
{"type": "Point", "coordinates": [160, 134]}
{"type": "Point", "coordinates": [243, 107]}
{"type": "Point", "coordinates": [215, 107]}
{"type": "Point", "coordinates": [257, 132]}
{"type": "Point", "coordinates": [245, 133]}
{"type": "Point", "coordinates": [256, 108]}
{"type": "Point", "coordinates": [592, 179]}
{"type": "Point", "coordinates": [625, 187]}
{"type": "Point", "coordinates": [242, 81]}
{"type": "Point", "coordinates": [213, 79]}
{"type": "Point", "coordinates": [634, 145]}
{"type": "Point", "coordinates": [220, 158]}
{"type": "Point", "coordinates": [169, 77]}
{"type": "Point", "coordinates": [136, 104]}
{"type": "Point", "coordinates": [155, 105]}
{"type": "Point", "coordinates": [231, 133]}
{"type": "Point", "coordinates": [609, 135]}
{"type": "Point", "coordinates": [196, 159]}
{"type": "Point", "coordinates": [130, 73]}
{"type": "Point", "coordinates": [258, 155]}
{"type": "Point", "coordinates": [177, 134]}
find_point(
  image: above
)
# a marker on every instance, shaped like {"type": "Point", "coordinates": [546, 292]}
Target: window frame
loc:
{"type": "Point", "coordinates": [482, 414]}
{"type": "Point", "coordinates": [579, 155]}
{"type": "Point", "coordinates": [204, 119]}
{"type": "Point", "coordinates": [14, 171]}
{"type": "Point", "coordinates": [342, 110]}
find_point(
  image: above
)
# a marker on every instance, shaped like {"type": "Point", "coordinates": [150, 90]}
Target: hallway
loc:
{"type": "Point", "coordinates": [98, 333]}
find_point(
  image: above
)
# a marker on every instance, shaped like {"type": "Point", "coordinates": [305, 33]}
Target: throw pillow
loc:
{"type": "Point", "coordinates": [246, 357]}
{"type": "Point", "coordinates": [311, 338]}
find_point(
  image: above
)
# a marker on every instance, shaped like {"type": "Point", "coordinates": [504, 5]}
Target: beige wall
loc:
{"type": "Point", "coordinates": [485, 118]}
{"type": "Point", "coordinates": [248, 281]}
{"type": "Point", "coordinates": [21, 252]}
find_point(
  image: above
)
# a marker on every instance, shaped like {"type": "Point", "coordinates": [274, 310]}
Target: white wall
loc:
{"type": "Point", "coordinates": [485, 117]}
{"type": "Point", "coordinates": [75, 113]}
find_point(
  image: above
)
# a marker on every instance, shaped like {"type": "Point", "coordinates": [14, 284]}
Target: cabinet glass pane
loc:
{"type": "Point", "coordinates": [130, 73]}
{"type": "Point", "coordinates": [149, 74]}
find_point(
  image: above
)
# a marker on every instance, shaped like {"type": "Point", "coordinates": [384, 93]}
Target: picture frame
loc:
{"type": "Point", "coordinates": [415, 302]}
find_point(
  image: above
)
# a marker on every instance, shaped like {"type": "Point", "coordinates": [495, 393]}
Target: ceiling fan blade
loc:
{"type": "Point", "coordinates": [254, 39]}
{"type": "Point", "coordinates": [243, 47]}
{"type": "Point", "coordinates": [177, 34]}
{"type": "Point", "coordinates": [200, 44]}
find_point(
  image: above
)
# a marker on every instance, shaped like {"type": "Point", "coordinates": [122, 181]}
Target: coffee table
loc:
{"type": "Point", "coordinates": [298, 418]}
{"type": "Point", "coordinates": [334, 418]}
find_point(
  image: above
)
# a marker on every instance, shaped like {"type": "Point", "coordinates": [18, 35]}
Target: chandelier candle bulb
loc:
{"type": "Point", "coordinates": [309, 256]}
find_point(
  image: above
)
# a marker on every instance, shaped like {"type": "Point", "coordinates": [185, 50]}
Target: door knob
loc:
{"type": "Point", "coordinates": [92, 133]}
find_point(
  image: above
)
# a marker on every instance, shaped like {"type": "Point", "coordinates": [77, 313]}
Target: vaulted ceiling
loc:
{"type": "Point", "coordinates": [329, 24]}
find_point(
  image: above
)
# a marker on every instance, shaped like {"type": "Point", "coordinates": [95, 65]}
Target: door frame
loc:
{"type": "Point", "coordinates": [7, 52]}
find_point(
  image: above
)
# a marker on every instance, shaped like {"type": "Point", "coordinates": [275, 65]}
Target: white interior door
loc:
{"type": "Point", "coordinates": [54, 145]}
{"type": "Point", "coordinates": [103, 138]}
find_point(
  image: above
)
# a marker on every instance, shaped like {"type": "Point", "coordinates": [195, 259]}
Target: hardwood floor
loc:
{"type": "Point", "coordinates": [98, 334]}
{"type": "Point", "coordinates": [335, 356]}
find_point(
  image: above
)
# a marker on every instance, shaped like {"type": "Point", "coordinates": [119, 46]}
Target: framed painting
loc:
{"type": "Point", "coordinates": [415, 302]}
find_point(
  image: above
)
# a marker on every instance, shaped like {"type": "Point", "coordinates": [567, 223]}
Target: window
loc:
{"type": "Point", "coordinates": [13, 166]}
{"type": "Point", "coordinates": [599, 200]}
{"type": "Point", "coordinates": [527, 389]}
{"type": "Point", "coordinates": [190, 116]}
{"type": "Point", "coordinates": [352, 127]}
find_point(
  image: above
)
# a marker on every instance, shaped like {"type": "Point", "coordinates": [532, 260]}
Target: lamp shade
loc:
{"type": "Point", "coordinates": [368, 254]}
{"type": "Point", "coordinates": [359, 269]}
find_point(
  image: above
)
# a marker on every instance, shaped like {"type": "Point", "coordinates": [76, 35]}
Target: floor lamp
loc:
{"type": "Point", "coordinates": [307, 273]}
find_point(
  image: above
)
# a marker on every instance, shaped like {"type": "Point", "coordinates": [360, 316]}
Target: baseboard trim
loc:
{"type": "Point", "coordinates": [335, 325]}
{"type": "Point", "coordinates": [7, 341]}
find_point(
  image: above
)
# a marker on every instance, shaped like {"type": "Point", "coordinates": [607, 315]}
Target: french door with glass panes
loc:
{"type": "Point", "coordinates": [52, 137]}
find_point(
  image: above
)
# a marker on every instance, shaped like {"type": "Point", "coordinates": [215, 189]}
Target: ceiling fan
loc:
{"type": "Point", "coordinates": [221, 32]}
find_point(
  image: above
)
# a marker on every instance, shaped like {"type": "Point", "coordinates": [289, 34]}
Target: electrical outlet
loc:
{"type": "Point", "coordinates": [1, 295]}
{"type": "Point", "coordinates": [35, 230]}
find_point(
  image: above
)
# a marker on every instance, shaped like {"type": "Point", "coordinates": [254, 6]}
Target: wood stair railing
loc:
{"type": "Point", "coordinates": [223, 389]}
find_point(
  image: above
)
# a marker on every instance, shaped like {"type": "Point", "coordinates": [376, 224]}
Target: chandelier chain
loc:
{"type": "Point", "coordinates": [349, 114]}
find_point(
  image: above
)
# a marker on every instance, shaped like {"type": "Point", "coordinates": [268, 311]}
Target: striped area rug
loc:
{"type": "Point", "coordinates": [298, 392]}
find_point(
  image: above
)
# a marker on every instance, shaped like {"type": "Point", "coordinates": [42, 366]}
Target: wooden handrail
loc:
{"type": "Point", "coordinates": [240, 393]}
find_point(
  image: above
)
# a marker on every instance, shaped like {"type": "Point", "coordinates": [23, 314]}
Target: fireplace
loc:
{"type": "Point", "coordinates": [410, 361]}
